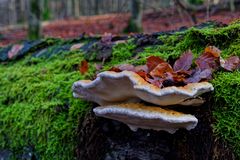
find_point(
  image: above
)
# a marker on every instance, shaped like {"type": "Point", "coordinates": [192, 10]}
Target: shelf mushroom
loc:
{"type": "Point", "coordinates": [137, 115]}
{"type": "Point", "coordinates": [119, 94]}
{"type": "Point", "coordinates": [118, 87]}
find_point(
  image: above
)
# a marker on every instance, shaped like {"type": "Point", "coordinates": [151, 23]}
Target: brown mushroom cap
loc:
{"type": "Point", "coordinates": [112, 87]}
{"type": "Point", "coordinates": [137, 115]}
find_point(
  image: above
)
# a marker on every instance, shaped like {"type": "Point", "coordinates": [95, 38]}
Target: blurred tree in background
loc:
{"type": "Point", "coordinates": [135, 23]}
{"type": "Point", "coordinates": [34, 19]}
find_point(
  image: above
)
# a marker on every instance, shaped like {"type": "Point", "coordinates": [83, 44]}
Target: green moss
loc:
{"type": "Point", "coordinates": [227, 108]}
{"type": "Point", "coordinates": [37, 108]}
{"type": "Point", "coordinates": [121, 53]}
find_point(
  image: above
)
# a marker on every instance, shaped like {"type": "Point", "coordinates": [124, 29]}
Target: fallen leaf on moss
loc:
{"type": "Point", "coordinates": [231, 63]}
{"type": "Point", "coordinates": [83, 67]}
{"type": "Point", "coordinates": [160, 69]}
{"type": "Point", "coordinates": [184, 62]}
{"type": "Point", "coordinates": [161, 74]}
{"type": "Point", "coordinates": [153, 61]}
{"type": "Point", "coordinates": [208, 60]}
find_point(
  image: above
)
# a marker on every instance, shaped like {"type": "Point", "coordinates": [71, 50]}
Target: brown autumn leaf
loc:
{"type": "Point", "coordinates": [214, 51]}
{"type": "Point", "coordinates": [153, 61]}
{"type": "Point", "coordinates": [231, 63]}
{"type": "Point", "coordinates": [14, 50]}
{"type": "Point", "coordinates": [115, 69]}
{"type": "Point", "coordinates": [126, 67]}
{"type": "Point", "coordinates": [83, 67]}
{"type": "Point", "coordinates": [160, 69]}
{"type": "Point", "coordinates": [156, 81]}
{"type": "Point", "coordinates": [207, 61]}
{"type": "Point", "coordinates": [200, 75]}
{"type": "Point", "coordinates": [141, 68]}
{"type": "Point", "coordinates": [142, 74]}
{"type": "Point", "coordinates": [184, 62]}
{"type": "Point", "coordinates": [210, 59]}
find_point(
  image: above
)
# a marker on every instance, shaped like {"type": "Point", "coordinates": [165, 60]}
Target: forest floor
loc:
{"type": "Point", "coordinates": [115, 23]}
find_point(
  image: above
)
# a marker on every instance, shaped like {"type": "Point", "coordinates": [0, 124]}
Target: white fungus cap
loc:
{"type": "Point", "coordinates": [137, 115]}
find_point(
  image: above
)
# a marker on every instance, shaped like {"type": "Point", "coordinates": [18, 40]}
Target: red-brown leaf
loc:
{"type": "Point", "coordinates": [153, 61]}
{"type": "Point", "coordinates": [210, 59]}
{"type": "Point", "coordinates": [207, 61]}
{"type": "Point", "coordinates": [141, 68]}
{"type": "Point", "coordinates": [142, 74]}
{"type": "Point", "coordinates": [83, 67]}
{"type": "Point", "coordinates": [160, 69]}
{"type": "Point", "coordinates": [231, 63]}
{"type": "Point", "coordinates": [200, 75]}
{"type": "Point", "coordinates": [214, 51]}
{"type": "Point", "coordinates": [14, 50]}
{"type": "Point", "coordinates": [126, 67]}
{"type": "Point", "coordinates": [115, 69]}
{"type": "Point", "coordinates": [156, 81]}
{"type": "Point", "coordinates": [184, 62]}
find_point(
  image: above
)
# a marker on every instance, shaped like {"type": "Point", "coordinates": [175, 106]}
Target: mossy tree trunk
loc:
{"type": "Point", "coordinates": [34, 19]}
{"type": "Point", "coordinates": [135, 23]}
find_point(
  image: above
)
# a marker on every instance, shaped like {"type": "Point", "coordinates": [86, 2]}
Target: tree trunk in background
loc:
{"type": "Point", "coordinates": [76, 8]}
{"type": "Point", "coordinates": [12, 14]}
{"type": "Point", "coordinates": [69, 8]}
{"type": "Point", "coordinates": [96, 7]}
{"type": "Point", "coordinates": [135, 23]}
{"type": "Point", "coordinates": [232, 5]}
{"type": "Point", "coordinates": [34, 22]}
{"type": "Point", "coordinates": [46, 12]}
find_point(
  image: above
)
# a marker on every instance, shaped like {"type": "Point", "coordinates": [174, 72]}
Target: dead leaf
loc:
{"type": "Point", "coordinates": [83, 67]}
{"type": "Point", "coordinates": [184, 62]}
{"type": "Point", "coordinates": [14, 50]}
{"type": "Point", "coordinates": [214, 51]}
{"type": "Point", "coordinates": [200, 75]}
{"type": "Point", "coordinates": [126, 67]}
{"type": "Point", "coordinates": [141, 68]}
{"type": "Point", "coordinates": [207, 61]}
{"type": "Point", "coordinates": [153, 61]}
{"type": "Point", "coordinates": [160, 69]}
{"type": "Point", "coordinates": [76, 46]}
{"type": "Point", "coordinates": [115, 69]}
{"type": "Point", "coordinates": [231, 63]}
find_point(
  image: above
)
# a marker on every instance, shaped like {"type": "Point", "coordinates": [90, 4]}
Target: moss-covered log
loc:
{"type": "Point", "coordinates": [39, 116]}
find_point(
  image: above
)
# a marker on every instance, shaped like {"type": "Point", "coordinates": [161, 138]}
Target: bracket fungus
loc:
{"type": "Point", "coordinates": [118, 87]}
{"type": "Point", "coordinates": [137, 115]}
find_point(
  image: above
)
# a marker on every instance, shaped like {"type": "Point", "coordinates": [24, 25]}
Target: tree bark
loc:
{"type": "Point", "coordinates": [34, 19]}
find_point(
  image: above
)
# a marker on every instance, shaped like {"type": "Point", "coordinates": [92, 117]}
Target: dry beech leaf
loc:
{"type": "Point", "coordinates": [160, 69]}
{"type": "Point", "coordinates": [200, 75]}
{"type": "Point", "coordinates": [207, 61]}
{"type": "Point", "coordinates": [161, 74]}
{"type": "Point", "coordinates": [14, 50]}
{"type": "Point", "coordinates": [126, 67]}
{"type": "Point", "coordinates": [141, 68]}
{"type": "Point", "coordinates": [141, 73]}
{"type": "Point", "coordinates": [214, 51]}
{"type": "Point", "coordinates": [184, 62]}
{"type": "Point", "coordinates": [231, 63]}
{"type": "Point", "coordinates": [156, 81]}
{"type": "Point", "coordinates": [83, 67]}
{"type": "Point", "coordinates": [115, 69]}
{"type": "Point", "coordinates": [210, 59]}
{"type": "Point", "coordinates": [153, 61]}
